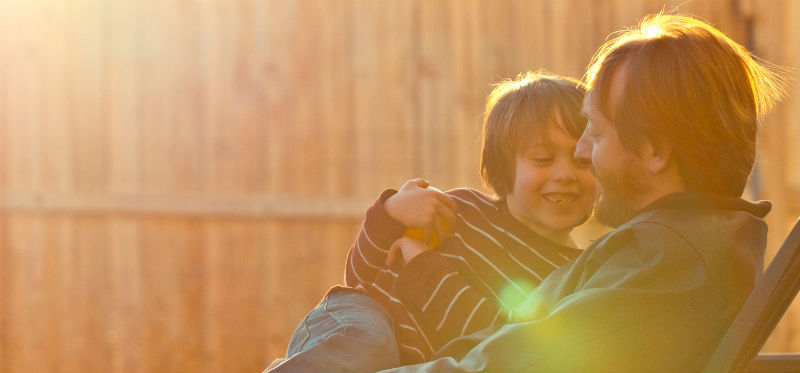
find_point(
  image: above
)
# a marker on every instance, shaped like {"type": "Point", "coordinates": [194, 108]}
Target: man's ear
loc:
{"type": "Point", "coordinates": [657, 154]}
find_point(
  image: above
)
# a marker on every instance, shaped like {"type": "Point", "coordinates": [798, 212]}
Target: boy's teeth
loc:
{"type": "Point", "coordinates": [559, 199]}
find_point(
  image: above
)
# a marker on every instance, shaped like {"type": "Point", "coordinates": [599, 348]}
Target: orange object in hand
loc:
{"type": "Point", "coordinates": [419, 234]}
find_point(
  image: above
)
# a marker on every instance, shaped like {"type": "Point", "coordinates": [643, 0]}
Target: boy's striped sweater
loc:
{"type": "Point", "coordinates": [472, 281]}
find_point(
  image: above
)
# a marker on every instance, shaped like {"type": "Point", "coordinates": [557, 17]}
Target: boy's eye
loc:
{"type": "Point", "coordinates": [542, 160]}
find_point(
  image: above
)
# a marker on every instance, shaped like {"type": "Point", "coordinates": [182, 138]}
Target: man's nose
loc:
{"type": "Point", "coordinates": [583, 150]}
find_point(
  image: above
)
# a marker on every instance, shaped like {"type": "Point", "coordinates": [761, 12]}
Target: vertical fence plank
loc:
{"type": "Point", "coordinates": [792, 103]}
{"type": "Point", "coordinates": [93, 296]}
{"type": "Point", "coordinates": [86, 102]}
{"type": "Point", "coordinates": [127, 295]}
{"type": "Point", "coordinates": [23, 87]}
{"type": "Point", "coordinates": [5, 318]}
{"type": "Point", "coordinates": [25, 293]}
{"type": "Point", "coordinates": [335, 89]}
{"type": "Point", "coordinates": [56, 137]}
{"type": "Point", "coordinates": [23, 271]}
{"type": "Point", "coordinates": [173, 274]}
{"type": "Point", "coordinates": [172, 156]}
{"type": "Point", "coordinates": [467, 98]}
{"type": "Point", "coordinates": [124, 115]}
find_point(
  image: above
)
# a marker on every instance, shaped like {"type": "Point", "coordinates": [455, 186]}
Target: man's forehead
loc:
{"type": "Point", "coordinates": [612, 88]}
{"type": "Point", "coordinates": [617, 85]}
{"type": "Point", "coordinates": [589, 107]}
{"type": "Point", "coordinates": [586, 108]}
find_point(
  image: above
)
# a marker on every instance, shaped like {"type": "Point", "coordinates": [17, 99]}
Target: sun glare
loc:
{"type": "Point", "coordinates": [514, 297]}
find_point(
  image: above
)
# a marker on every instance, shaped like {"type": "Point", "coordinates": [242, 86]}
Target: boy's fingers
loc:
{"type": "Point", "coordinates": [447, 201]}
{"type": "Point", "coordinates": [441, 230]}
{"type": "Point", "coordinates": [429, 232]}
{"type": "Point", "coordinates": [415, 183]}
{"type": "Point", "coordinates": [393, 252]}
{"type": "Point", "coordinates": [446, 213]}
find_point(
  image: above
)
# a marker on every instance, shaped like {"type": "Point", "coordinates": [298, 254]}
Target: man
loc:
{"type": "Point", "coordinates": [673, 110]}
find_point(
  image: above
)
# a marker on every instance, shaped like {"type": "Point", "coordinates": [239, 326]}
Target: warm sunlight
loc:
{"type": "Point", "coordinates": [182, 181]}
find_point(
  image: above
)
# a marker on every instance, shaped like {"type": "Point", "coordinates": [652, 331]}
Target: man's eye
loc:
{"type": "Point", "coordinates": [542, 160]}
{"type": "Point", "coordinates": [583, 163]}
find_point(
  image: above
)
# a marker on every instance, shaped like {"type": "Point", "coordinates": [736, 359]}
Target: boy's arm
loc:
{"type": "Point", "coordinates": [414, 206]}
{"type": "Point", "coordinates": [371, 247]}
{"type": "Point", "coordinates": [446, 305]}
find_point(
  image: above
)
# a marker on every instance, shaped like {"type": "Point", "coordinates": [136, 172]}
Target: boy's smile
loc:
{"type": "Point", "coordinates": [552, 192]}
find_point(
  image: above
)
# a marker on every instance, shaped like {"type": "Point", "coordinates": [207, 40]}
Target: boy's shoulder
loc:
{"type": "Point", "coordinates": [473, 197]}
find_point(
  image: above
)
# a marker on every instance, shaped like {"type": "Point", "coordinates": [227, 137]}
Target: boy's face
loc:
{"type": "Point", "coordinates": [552, 192]}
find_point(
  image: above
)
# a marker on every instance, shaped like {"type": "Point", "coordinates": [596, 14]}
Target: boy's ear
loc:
{"type": "Point", "coordinates": [658, 155]}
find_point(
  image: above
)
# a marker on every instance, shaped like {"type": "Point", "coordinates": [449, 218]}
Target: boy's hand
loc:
{"type": "Point", "coordinates": [405, 249]}
{"type": "Point", "coordinates": [417, 205]}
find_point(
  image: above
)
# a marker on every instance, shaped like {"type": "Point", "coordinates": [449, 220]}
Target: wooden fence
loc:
{"type": "Point", "coordinates": [180, 180]}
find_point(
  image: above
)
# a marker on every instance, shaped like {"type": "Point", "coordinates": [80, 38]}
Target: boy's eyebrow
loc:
{"type": "Point", "coordinates": [540, 143]}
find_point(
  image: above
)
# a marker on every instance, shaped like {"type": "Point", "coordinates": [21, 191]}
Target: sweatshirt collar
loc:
{"type": "Point", "coordinates": [697, 200]}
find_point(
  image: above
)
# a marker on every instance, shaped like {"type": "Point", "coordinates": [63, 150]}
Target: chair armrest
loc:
{"type": "Point", "coordinates": [775, 363]}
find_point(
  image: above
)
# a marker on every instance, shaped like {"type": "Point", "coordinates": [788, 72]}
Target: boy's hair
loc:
{"type": "Point", "coordinates": [520, 111]}
{"type": "Point", "coordinates": [690, 87]}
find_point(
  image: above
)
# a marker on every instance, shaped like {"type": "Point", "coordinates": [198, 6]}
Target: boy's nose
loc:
{"type": "Point", "coordinates": [565, 170]}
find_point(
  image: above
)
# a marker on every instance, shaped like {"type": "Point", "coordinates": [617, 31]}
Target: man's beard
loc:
{"type": "Point", "coordinates": [619, 196]}
{"type": "Point", "coordinates": [610, 211]}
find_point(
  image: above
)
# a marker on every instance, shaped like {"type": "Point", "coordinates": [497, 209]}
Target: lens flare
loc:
{"type": "Point", "coordinates": [514, 297]}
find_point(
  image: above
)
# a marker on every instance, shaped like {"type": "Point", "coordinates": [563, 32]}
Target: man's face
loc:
{"type": "Point", "coordinates": [622, 174]}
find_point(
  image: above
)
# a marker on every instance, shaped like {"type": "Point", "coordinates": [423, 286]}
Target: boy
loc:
{"type": "Point", "coordinates": [499, 250]}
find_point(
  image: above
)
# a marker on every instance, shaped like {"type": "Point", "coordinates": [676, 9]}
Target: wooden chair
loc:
{"type": "Point", "coordinates": [759, 315]}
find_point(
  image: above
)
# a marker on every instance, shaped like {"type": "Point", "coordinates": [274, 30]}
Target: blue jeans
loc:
{"type": "Point", "coordinates": [346, 332]}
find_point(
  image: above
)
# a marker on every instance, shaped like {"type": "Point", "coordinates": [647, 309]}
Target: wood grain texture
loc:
{"type": "Point", "coordinates": [180, 181]}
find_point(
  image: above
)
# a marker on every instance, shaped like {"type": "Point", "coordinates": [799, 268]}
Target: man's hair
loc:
{"type": "Point", "coordinates": [520, 111]}
{"type": "Point", "coordinates": [690, 87]}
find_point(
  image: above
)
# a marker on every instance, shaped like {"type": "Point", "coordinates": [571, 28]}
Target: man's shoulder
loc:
{"type": "Point", "coordinates": [652, 233]}
{"type": "Point", "coordinates": [716, 236]}
{"type": "Point", "coordinates": [670, 228]}
{"type": "Point", "coordinates": [639, 237]}
{"type": "Point", "coordinates": [701, 225]}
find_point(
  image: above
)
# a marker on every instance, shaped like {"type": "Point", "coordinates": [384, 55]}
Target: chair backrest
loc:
{"type": "Point", "coordinates": [762, 310]}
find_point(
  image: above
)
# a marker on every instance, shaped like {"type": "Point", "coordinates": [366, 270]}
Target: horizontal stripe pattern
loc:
{"type": "Point", "coordinates": [456, 289]}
